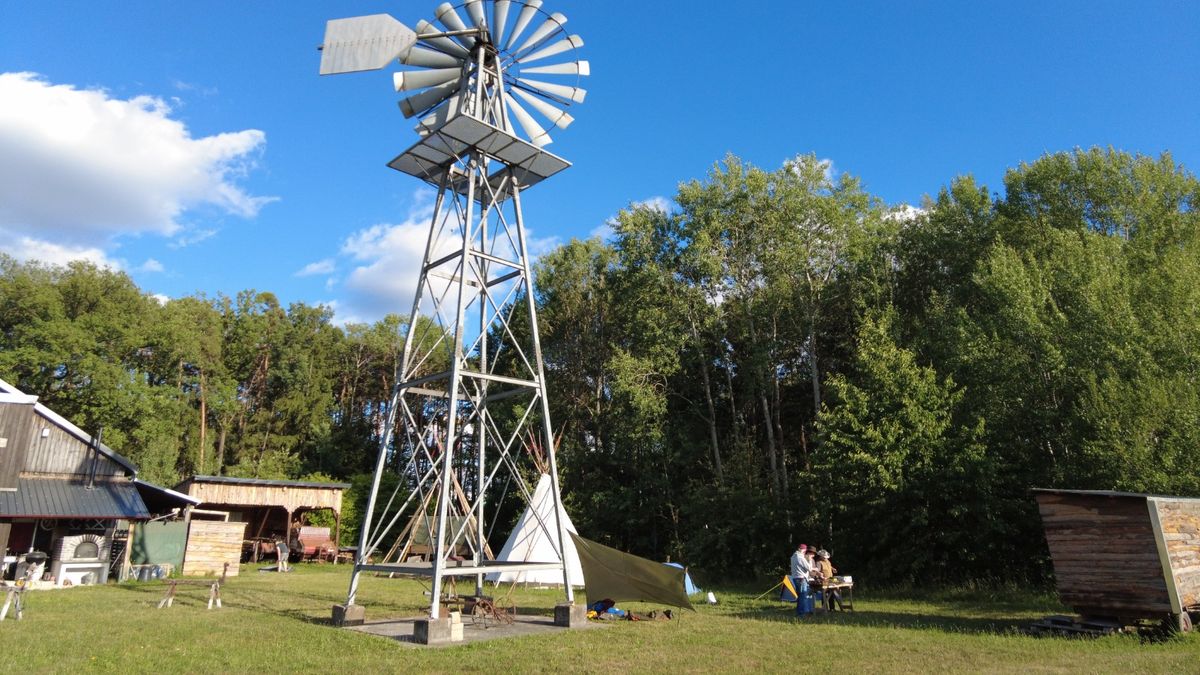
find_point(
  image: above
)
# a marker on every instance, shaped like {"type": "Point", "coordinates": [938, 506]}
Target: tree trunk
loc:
{"type": "Point", "coordinates": [712, 411]}
{"type": "Point", "coordinates": [221, 449]}
{"type": "Point", "coordinates": [712, 423]}
{"type": "Point", "coordinates": [783, 459]}
{"type": "Point", "coordinates": [814, 370]}
{"type": "Point", "coordinates": [203, 422]}
{"type": "Point", "coordinates": [772, 459]}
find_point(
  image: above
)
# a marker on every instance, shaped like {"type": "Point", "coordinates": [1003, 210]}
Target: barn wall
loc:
{"type": "Point", "coordinates": [210, 545]}
{"type": "Point", "coordinates": [1104, 553]}
{"type": "Point", "coordinates": [61, 453]}
{"type": "Point", "coordinates": [1180, 521]}
{"type": "Point", "coordinates": [16, 420]}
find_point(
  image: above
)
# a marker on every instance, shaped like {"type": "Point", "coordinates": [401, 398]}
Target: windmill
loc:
{"type": "Point", "coordinates": [471, 385]}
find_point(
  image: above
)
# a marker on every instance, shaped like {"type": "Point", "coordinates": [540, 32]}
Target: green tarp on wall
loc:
{"type": "Point", "coordinates": [615, 575]}
{"type": "Point", "coordinates": [158, 543]}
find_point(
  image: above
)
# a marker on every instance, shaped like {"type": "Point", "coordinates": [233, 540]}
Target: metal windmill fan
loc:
{"type": "Point", "coordinates": [519, 43]}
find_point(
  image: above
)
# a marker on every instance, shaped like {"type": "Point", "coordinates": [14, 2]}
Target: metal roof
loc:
{"type": "Point", "coordinates": [65, 425]}
{"type": "Point", "coordinates": [1110, 493]}
{"type": "Point", "coordinates": [263, 481]}
{"type": "Point", "coordinates": [161, 499]}
{"type": "Point", "coordinates": [58, 498]}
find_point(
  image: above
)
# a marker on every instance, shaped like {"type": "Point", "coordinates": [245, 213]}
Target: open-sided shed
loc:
{"type": "Point", "coordinates": [1124, 555]}
{"type": "Point", "coordinates": [268, 507]}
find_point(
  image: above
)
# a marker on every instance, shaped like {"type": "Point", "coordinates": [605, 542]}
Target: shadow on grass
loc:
{"type": "Point", "coordinates": [881, 619]}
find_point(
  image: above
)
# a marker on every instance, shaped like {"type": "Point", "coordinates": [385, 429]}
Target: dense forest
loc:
{"type": "Point", "coordinates": [781, 357]}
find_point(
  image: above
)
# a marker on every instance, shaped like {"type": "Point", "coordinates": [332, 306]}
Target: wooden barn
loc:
{"type": "Point", "coordinates": [1124, 555]}
{"type": "Point", "coordinates": [269, 509]}
{"type": "Point", "coordinates": [62, 492]}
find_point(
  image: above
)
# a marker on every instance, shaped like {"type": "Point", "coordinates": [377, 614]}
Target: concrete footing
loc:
{"type": "Point", "coordinates": [349, 615]}
{"type": "Point", "coordinates": [569, 615]}
{"type": "Point", "coordinates": [433, 631]}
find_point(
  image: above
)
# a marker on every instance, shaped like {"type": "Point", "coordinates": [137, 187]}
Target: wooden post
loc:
{"type": "Point", "coordinates": [337, 533]}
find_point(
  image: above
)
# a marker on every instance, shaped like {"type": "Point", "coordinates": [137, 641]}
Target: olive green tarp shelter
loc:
{"type": "Point", "coordinates": [617, 576]}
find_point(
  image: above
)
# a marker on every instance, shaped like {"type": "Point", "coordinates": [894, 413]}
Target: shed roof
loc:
{"type": "Point", "coordinates": [59, 498]}
{"type": "Point", "coordinates": [1111, 493]}
{"type": "Point", "coordinates": [160, 499]}
{"type": "Point", "coordinates": [62, 423]}
{"type": "Point", "coordinates": [264, 482]}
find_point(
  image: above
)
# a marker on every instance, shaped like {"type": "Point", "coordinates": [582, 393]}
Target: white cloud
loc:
{"type": "Point", "coordinates": [151, 265]}
{"type": "Point", "coordinates": [160, 298]}
{"type": "Point", "coordinates": [659, 203]}
{"type": "Point", "coordinates": [826, 164]}
{"type": "Point", "coordinates": [904, 213]}
{"type": "Point", "coordinates": [386, 260]}
{"type": "Point", "coordinates": [189, 237]}
{"type": "Point", "coordinates": [79, 169]}
{"type": "Point", "coordinates": [28, 248]}
{"type": "Point", "coordinates": [325, 266]}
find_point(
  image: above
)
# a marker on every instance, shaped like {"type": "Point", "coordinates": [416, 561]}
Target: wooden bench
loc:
{"type": "Point", "coordinates": [214, 589]}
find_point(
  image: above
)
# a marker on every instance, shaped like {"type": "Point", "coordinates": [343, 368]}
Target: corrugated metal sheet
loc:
{"type": "Point", "coordinates": [57, 498]}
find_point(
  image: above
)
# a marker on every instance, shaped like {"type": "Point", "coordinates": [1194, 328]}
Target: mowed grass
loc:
{"type": "Point", "coordinates": [280, 623]}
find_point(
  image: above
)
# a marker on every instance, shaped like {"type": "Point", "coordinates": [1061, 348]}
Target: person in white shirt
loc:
{"type": "Point", "coordinates": [801, 570]}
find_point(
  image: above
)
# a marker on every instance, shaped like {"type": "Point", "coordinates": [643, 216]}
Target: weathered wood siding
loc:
{"type": "Point", "coordinates": [61, 453]}
{"type": "Point", "coordinates": [1104, 553]}
{"type": "Point", "coordinates": [16, 420]}
{"type": "Point", "coordinates": [1180, 521]}
{"type": "Point", "coordinates": [289, 497]}
{"type": "Point", "coordinates": [210, 545]}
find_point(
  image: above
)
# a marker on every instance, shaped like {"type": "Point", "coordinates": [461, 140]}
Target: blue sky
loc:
{"type": "Point", "coordinates": [194, 145]}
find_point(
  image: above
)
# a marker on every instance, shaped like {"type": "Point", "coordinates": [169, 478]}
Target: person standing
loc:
{"type": "Point", "coordinates": [826, 570]}
{"type": "Point", "coordinates": [801, 570]}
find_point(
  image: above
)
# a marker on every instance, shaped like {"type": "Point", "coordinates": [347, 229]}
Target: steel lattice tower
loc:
{"type": "Point", "coordinates": [470, 392]}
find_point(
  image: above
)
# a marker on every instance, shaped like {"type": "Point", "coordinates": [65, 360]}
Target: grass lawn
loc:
{"type": "Point", "coordinates": [279, 623]}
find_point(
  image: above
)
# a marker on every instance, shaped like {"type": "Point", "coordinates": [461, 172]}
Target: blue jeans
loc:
{"type": "Point", "coordinates": [803, 599]}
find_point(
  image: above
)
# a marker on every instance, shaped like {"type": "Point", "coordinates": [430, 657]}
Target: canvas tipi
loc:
{"type": "Point", "coordinates": [532, 540]}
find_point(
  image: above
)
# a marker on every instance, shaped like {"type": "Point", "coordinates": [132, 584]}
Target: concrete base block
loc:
{"type": "Point", "coordinates": [349, 615]}
{"type": "Point", "coordinates": [432, 631]}
{"type": "Point", "coordinates": [570, 615]}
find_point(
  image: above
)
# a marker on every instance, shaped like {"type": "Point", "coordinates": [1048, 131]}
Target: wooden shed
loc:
{"type": "Point", "coordinates": [1124, 555]}
{"type": "Point", "coordinates": [269, 508]}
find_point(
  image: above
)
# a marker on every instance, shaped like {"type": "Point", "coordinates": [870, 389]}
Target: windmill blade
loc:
{"type": "Point", "coordinates": [419, 79]}
{"type": "Point", "coordinates": [537, 135]}
{"type": "Point", "coordinates": [499, 20]}
{"type": "Point", "coordinates": [363, 43]}
{"type": "Point", "coordinates": [573, 68]}
{"type": "Point", "coordinates": [543, 31]}
{"type": "Point", "coordinates": [523, 18]}
{"type": "Point", "coordinates": [442, 44]}
{"type": "Point", "coordinates": [564, 45]}
{"type": "Point", "coordinates": [449, 18]}
{"type": "Point", "coordinates": [419, 103]}
{"type": "Point", "coordinates": [428, 58]}
{"type": "Point", "coordinates": [439, 116]}
{"type": "Point", "coordinates": [475, 11]}
{"type": "Point", "coordinates": [558, 117]}
{"type": "Point", "coordinates": [570, 93]}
